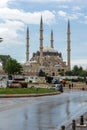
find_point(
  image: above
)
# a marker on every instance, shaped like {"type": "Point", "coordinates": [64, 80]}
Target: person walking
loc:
{"type": "Point", "coordinates": [69, 84]}
{"type": "Point", "coordinates": [72, 85]}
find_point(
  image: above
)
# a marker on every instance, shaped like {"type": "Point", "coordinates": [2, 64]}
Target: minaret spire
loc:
{"type": "Point", "coordinates": [41, 41]}
{"type": "Point", "coordinates": [68, 46]}
{"type": "Point", "coordinates": [27, 44]}
{"type": "Point", "coordinates": [52, 39]}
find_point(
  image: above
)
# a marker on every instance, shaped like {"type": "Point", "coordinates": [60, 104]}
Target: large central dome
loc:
{"type": "Point", "coordinates": [49, 49]}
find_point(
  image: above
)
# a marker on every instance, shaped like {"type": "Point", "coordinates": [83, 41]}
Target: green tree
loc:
{"type": "Point", "coordinates": [83, 73]}
{"type": "Point", "coordinates": [77, 70]}
{"type": "Point", "coordinates": [49, 79]}
{"type": "Point", "coordinates": [12, 67]}
{"type": "Point", "coordinates": [61, 73]}
{"type": "Point", "coordinates": [68, 73]}
{"type": "Point", "coordinates": [3, 59]}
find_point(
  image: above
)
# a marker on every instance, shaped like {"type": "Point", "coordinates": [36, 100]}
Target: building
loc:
{"type": "Point", "coordinates": [47, 58]}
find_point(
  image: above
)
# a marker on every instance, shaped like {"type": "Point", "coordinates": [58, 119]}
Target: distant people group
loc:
{"type": "Point", "coordinates": [63, 84]}
{"type": "Point", "coordinates": [70, 85]}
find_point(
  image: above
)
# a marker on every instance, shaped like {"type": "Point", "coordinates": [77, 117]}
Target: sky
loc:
{"type": "Point", "coordinates": [16, 15]}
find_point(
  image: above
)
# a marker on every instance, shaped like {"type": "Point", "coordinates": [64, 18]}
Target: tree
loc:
{"type": "Point", "coordinates": [68, 73]}
{"type": "Point", "coordinates": [83, 73]}
{"type": "Point", "coordinates": [49, 79]}
{"type": "Point", "coordinates": [61, 73]}
{"type": "Point", "coordinates": [3, 59]}
{"type": "Point", "coordinates": [77, 70]}
{"type": "Point", "coordinates": [12, 67]}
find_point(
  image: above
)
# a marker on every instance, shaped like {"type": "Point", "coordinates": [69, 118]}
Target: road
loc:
{"type": "Point", "coordinates": [41, 113]}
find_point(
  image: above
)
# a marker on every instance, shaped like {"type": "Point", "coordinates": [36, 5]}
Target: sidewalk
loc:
{"type": "Point", "coordinates": [76, 86]}
{"type": "Point", "coordinates": [78, 126]}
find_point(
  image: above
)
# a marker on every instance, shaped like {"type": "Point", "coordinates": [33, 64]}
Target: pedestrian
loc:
{"type": "Point", "coordinates": [72, 85]}
{"type": "Point", "coordinates": [69, 85]}
{"type": "Point", "coordinates": [61, 87]}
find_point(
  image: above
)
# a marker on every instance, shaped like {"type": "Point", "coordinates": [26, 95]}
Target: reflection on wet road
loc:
{"type": "Point", "coordinates": [41, 113]}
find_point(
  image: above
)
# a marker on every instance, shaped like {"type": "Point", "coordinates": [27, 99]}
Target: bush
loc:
{"type": "Point", "coordinates": [49, 79]}
{"type": "Point", "coordinates": [30, 81]}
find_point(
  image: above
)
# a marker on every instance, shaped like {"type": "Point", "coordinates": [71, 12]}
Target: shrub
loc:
{"type": "Point", "coordinates": [30, 81]}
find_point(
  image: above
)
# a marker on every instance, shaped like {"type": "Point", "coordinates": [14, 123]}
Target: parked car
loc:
{"type": "Point", "coordinates": [58, 87]}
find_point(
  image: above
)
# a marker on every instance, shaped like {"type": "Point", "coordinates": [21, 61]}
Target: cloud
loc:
{"type": "Point", "coordinates": [9, 32]}
{"type": "Point", "coordinates": [76, 2]}
{"type": "Point", "coordinates": [27, 17]}
{"type": "Point", "coordinates": [14, 20]}
{"type": "Point", "coordinates": [62, 13]}
{"type": "Point", "coordinates": [5, 3]}
{"type": "Point", "coordinates": [84, 20]}
{"type": "Point", "coordinates": [42, 1]}
{"type": "Point", "coordinates": [63, 6]}
{"type": "Point", "coordinates": [76, 8]}
{"type": "Point", "coordinates": [80, 2]}
{"type": "Point", "coordinates": [66, 15]}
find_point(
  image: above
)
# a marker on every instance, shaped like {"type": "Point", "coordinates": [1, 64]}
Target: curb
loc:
{"type": "Point", "coordinates": [26, 95]}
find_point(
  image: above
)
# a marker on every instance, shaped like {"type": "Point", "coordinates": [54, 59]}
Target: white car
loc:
{"type": "Point", "coordinates": [58, 87]}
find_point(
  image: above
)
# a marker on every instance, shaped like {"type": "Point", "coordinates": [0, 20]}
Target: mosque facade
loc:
{"type": "Point", "coordinates": [47, 58]}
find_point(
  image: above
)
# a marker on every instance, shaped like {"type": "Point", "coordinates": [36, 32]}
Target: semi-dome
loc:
{"type": "Point", "coordinates": [49, 49]}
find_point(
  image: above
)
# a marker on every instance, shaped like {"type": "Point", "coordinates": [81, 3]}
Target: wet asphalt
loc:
{"type": "Point", "coordinates": [41, 113]}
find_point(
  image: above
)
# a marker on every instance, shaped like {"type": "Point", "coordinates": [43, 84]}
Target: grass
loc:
{"type": "Point", "coordinates": [25, 90]}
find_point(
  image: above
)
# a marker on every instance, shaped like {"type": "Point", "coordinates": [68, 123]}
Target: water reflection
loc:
{"type": "Point", "coordinates": [44, 116]}
{"type": "Point", "coordinates": [26, 121]}
{"type": "Point", "coordinates": [68, 108]}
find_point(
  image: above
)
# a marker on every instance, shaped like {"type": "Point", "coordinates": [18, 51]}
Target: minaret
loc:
{"type": "Point", "coordinates": [68, 47]}
{"type": "Point", "coordinates": [27, 45]}
{"type": "Point", "coordinates": [52, 39]}
{"type": "Point", "coordinates": [41, 41]}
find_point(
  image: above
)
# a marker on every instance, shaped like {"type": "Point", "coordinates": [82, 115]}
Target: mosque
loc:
{"type": "Point", "coordinates": [47, 59]}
